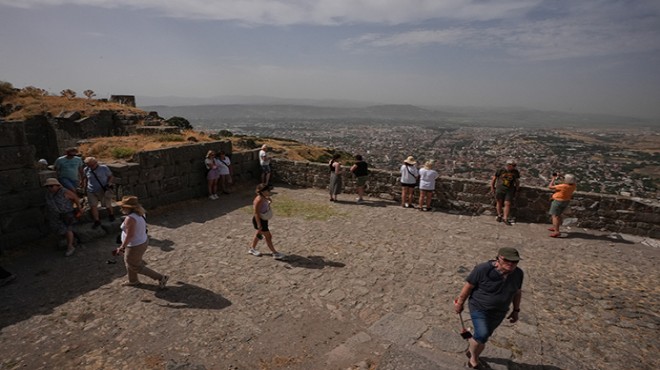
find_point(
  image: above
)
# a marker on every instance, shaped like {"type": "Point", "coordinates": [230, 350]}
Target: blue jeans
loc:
{"type": "Point", "coordinates": [485, 323]}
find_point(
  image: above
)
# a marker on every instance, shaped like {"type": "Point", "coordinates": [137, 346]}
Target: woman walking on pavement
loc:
{"type": "Point", "coordinates": [263, 213]}
{"type": "Point", "coordinates": [134, 242]}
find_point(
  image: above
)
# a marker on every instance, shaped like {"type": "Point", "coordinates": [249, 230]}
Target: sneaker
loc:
{"type": "Point", "coordinates": [111, 218]}
{"type": "Point", "coordinates": [131, 283]}
{"type": "Point", "coordinates": [507, 222]}
{"type": "Point", "coordinates": [499, 218]}
{"type": "Point", "coordinates": [254, 252]}
{"type": "Point", "coordinates": [70, 252]}
{"type": "Point", "coordinates": [359, 200]}
{"type": "Point", "coordinates": [212, 197]}
{"type": "Point", "coordinates": [7, 280]}
{"type": "Point", "coordinates": [406, 205]}
{"type": "Point", "coordinates": [96, 224]}
{"type": "Point", "coordinates": [279, 256]}
{"type": "Point", "coordinates": [163, 281]}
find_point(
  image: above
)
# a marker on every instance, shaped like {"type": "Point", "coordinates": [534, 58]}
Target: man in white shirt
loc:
{"type": "Point", "coordinates": [264, 161]}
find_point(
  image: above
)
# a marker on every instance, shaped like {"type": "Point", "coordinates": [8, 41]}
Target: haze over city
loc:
{"type": "Point", "coordinates": [573, 56]}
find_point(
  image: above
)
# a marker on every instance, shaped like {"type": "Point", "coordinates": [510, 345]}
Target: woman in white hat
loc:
{"type": "Point", "coordinates": [61, 213]}
{"type": "Point", "coordinates": [427, 177]}
{"type": "Point", "coordinates": [560, 200]}
{"type": "Point", "coordinates": [409, 177]}
{"type": "Point", "coordinates": [134, 242]}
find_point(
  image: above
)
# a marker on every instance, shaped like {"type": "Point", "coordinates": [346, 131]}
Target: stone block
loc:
{"type": "Point", "coordinates": [15, 202]}
{"type": "Point", "coordinates": [15, 181]}
{"type": "Point", "coordinates": [171, 185]}
{"type": "Point", "coordinates": [153, 189]}
{"type": "Point", "coordinates": [12, 134]}
{"type": "Point", "coordinates": [12, 157]}
{"type": "Point", "coordinates": [22, 219]}
{"type": "Point", "coordinates": [153, 174]}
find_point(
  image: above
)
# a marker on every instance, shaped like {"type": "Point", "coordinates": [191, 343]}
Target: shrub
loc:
{"type": "Point", "coordinates": [122, 153]}
{"type": "Point", "coordinates": [179, 122]}
{"type": "Point", "coordinates": [6, 89]}
{"type": "Point", "coordinates": [33, 92]}
{"type": "Point", "coordinates": [68, 93]}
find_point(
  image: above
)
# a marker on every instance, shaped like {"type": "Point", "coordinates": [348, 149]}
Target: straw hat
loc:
{"type": "Point", "coordinates": [90, 160]}
{"type": "Point", "coordinates": [129, 201]}
{"type": "Point", "coordinates": [410, 160]}
{"type": "Point", "coordinates": [52, 181]}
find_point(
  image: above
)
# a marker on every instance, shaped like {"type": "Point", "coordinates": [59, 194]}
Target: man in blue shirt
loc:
{"type": "Point", "coordinates": [492, 286]}
{"type": "Point", "coordinates": [69, 168]}
{"type": "Point", "coordinates": [99, 188]}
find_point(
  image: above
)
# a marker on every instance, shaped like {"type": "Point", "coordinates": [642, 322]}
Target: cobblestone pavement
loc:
{"type": "Point", "coordinates": [368, 286]}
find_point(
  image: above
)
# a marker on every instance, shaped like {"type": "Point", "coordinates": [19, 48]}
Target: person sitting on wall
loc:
{"type": "Point", "coordinates": [60, 212]}
{"type": "Point", "coordinates": [99, 188]}
{"type": "Point", "coordinates": [69, 169]}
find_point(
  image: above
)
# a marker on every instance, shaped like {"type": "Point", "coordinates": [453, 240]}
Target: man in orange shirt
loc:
{"type": "Point", "coordinates": [560, 200]}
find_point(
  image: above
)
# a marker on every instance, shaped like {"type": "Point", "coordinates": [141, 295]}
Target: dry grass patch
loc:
{"type": "Point", "coordinates": [54, 105]}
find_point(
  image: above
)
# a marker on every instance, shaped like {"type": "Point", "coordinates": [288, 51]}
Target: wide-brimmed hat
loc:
{"type": "Point", "coordinates": [410, 160]}
{"type": "Point", "coordinates": [129, 201]}
{"type": "Point", "coordinates": [263, 187]}
{"type": "Point", "coordinates": [52, 181]}
{"type": "Point", "coordinates": [510, 161]}
{"type": "Point", "coordinates": [509, 254]}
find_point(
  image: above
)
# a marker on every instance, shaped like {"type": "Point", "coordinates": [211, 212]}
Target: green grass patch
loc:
{"type": "Point", "coordinates": [284, 206]}
{"type": "Point", "coordinates": [122, 153]}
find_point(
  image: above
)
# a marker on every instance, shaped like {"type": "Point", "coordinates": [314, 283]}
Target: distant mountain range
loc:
{"type": "Point", "coordinates": [269, 109]}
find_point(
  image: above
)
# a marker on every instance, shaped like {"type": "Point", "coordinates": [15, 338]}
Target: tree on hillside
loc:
{"type": "Point", "coordinates": [179, 122]}
{"type": "Point", "coordinates": [33, 91]}
{"type": "Point", "coordinates": [6, 89]}
{"type": "Point", "coordinates": [68, 93]}
{"type": "Point", "coordinates": [89, 94]}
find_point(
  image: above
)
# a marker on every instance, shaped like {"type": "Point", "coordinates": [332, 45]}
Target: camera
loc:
{"type": "Point", "coordinates": [555, 174]}
{"type": "Point", "coordinates": [116, 252]}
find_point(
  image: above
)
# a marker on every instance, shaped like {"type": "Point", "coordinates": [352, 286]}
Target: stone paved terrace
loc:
{"type": "Point", "coordinates": [365, 287]}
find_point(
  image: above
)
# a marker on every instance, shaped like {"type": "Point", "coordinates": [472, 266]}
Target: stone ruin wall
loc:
{"type": "Point", "coordinates": [590, 210]}
{"type": "Point", "coordinates": [166, 176]}
{"type": "Point", "coordinates": [21, 213]}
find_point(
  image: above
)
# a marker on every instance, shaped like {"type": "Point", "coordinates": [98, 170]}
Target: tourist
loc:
{"type": "Point", "coordinates": [491, 286]}
{"type": "Point", "coordinates": [60, 211]}
{"type": "Point", "coordinates": [212, 174]}
{"type": "Point", "coordinates": [505, 185]}
{"type": "Point", "coordinates": [262, 214]}
{"type": "Point", "coordinates": [360, 170]}
{"type": "Point", "coordinates": [134, 242]}
{"type": "Point", "coordinates": [69, 169]}
{"type": "Point", "coordinates": [560, 200]}
{"type": "Point", "coordinates": [409, 177]}
{"type": "Point", "coordinates": [427, 177]}
{"type": "Point", "coordinates": [264, 161]}
{"type": "Point", "coordinates": [99, 188]}
{"type": "Point", "coordinates": [335, 177]}
{"type": "Point", "coordinates": [224, 166]}
{"type": "Point", "coordinates": [6, 277]}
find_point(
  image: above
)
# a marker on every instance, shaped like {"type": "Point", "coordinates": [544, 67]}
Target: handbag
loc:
{"type": "Point", "coordinates": [266, 215]}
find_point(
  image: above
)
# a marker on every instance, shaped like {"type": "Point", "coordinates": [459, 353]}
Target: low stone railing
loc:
{"type": "Point", "coordinates": [589, 210]}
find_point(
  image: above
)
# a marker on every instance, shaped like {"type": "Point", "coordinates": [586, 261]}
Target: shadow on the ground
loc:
{"type": "Point", "coordinates": [46, 279]}
{"type": "Point", "coordinates": [184, 295]}
{"type": "Point", "coordinates": [581, 235]}
{"type": "Point", "coordinates": [164, 245]}
{"type": "Point", "coordinates": [310, 262]}
{"type": "Point", "coordinates": [366, 203]}
{"type": "Point", "coordinates": [512, 365]}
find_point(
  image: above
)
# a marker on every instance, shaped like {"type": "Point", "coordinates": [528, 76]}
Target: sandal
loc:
{"type": "Point", "coordinates": [555, 235]}
{"type": "Point", "coordinates": [551, 229]}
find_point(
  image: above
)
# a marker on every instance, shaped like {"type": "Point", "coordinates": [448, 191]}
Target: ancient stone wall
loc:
{"type": "Point", "coordinates": [165, 176]}
{"type": "Point", "coordinates": [21, 216]}
{"type": "Point", "coordinates": [589, 210]}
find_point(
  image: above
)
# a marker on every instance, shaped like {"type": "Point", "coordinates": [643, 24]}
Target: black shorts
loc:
{"type": "Point", "coordinates": [408, 185]}
{"type": "Point", "coordinates": [506, 195]}
{"type": "Point", "coordinates": [264, 224]}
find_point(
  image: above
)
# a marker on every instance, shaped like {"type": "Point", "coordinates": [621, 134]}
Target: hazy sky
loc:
{"type": "Point", "coordinates": [599, 56]}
